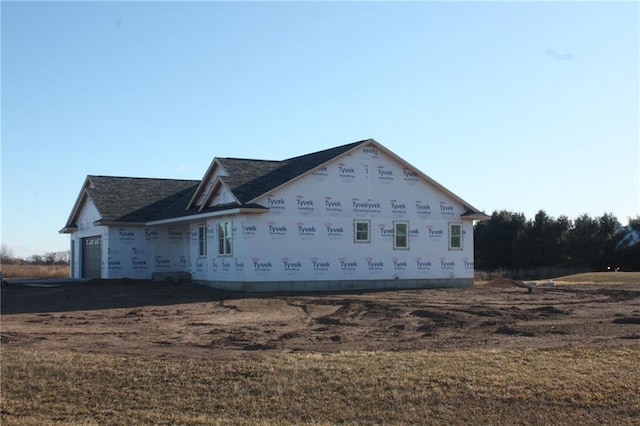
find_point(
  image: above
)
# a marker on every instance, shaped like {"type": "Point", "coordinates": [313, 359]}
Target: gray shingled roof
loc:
{"type": "Point", "coordinates": [140, 200]}
{"type": "Point", "coordinates": [125, 199]}
{"type": "Point", "coordinates": [244, 175]}
{"type": "Point", "coordinates": [251, 178]}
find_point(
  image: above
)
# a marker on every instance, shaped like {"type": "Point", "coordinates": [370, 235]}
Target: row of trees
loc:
{"type": "Point", "coordinates": [7, 257]}
{"type": "Point", "coordinates": [510, 241]}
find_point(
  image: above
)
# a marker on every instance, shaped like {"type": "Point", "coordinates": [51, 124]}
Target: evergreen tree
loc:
{"type": "Point", "coordinates": [511, 242]}
{"type": "Point", "coordinates": [494, 240]}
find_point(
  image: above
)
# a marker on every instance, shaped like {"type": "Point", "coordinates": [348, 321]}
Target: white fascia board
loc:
{"type": "Point", "coordinates": [203, 182]}
{"type": "Point", "coordinates": [82, 196]}
{"type": "Point", "coordinates": [101, 223]}
{"type": "Point", "coordinates": [216, 183]}
{"type": "Point", "coordinates": [392, 155]}
{"type": "Point", "coordinates": [239, 210]}
{"type": "Point", "coordinates": [67, 230]}
{"type": "Point", "coordinates": [427, 178]}
{"type": "Point", "coordinates": [476, 216]}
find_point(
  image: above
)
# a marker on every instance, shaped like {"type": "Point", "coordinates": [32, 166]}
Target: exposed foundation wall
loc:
{"type": "Point", "coordinates": [338, 285]}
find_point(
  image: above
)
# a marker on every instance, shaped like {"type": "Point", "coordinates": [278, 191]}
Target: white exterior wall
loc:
{"type": "Point", "coordinates": [131, 251]}
{"type": "Point", "coordinates": [307, 235]}
{"type": "Point", "coordinates": [87, 216]}
{"type": "Point", "coordinates": [137, 252]}
{"type": "Point", "coordinates": [170, 250]}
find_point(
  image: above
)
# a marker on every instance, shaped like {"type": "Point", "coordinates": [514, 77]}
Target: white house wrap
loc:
{"type": "Point", "coordinates": [351, 217]}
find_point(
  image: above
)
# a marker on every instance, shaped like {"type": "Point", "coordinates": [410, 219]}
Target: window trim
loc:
{"type": "Point", "coordinates": [357, 222]}
{"type": "Point", "coordinates": [452, 236]}
{"type": "Point", "coordinates": [396, 246]}
{"type": "Point", "coordinates": [225, 238]}
{"type": "Point", "coordinates": [202, 240]}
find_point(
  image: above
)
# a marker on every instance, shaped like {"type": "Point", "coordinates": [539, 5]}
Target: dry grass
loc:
{"type": "Point", "coordinates": [600, 278]}
{"type": "Point", "coordinates": [588, 278]}
{"type": "Point", "coordinates": [35, 271]}
{"type": "Point", "coordinates": [588, 386]}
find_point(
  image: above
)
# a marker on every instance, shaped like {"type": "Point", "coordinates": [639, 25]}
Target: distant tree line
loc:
{"type": "Point", "coordinates": [7, 257]}
{"type": "Point", "coordinates": [511, 242]}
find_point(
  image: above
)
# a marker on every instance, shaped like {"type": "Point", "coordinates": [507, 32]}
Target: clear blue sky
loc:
{"type": "Point", "coordinates": [516, 106]}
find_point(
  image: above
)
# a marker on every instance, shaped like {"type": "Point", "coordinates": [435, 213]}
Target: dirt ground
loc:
{"type": "Point", "coordinates": [191, 321]}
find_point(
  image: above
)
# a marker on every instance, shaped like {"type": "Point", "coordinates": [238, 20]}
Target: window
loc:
{"type": "Point", "coordinates": [400, 235]}
{"type": "Point", "coordinates": [202, 240]}
{"type": "Point", "coordinates": [361, 231]}
{"type": "Point", "coordinates": [455, 236]}
{"type": "Point", "coordinates": [225, 238]}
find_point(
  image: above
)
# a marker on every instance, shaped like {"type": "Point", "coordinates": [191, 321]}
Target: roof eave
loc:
{"type": "Point", "coordinates": [206, 215]}
{"type": "Point", "coordinates": [79, 201]}
{"type": "Point", "coordinates": [475, 215]}
{"type": "Point", "coordinates": [68, 229]}
{"type": "Point", "coordinates": [117, 223]}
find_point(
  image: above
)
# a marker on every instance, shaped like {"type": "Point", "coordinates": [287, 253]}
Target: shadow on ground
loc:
{"type": "Point", "coordinates": [38, 297]}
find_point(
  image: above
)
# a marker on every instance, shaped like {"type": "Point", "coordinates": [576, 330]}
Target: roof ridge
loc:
{"type": "Point", "coordinates": [250, 159]}
{"type": "Point", "coordinates": [335, 148]}
{"type": "Point", "coordinates": [143, 178]}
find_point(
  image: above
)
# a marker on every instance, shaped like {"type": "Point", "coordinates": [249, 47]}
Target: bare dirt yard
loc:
{"type": "Point", "coordinates": [177, 320]}
{"type": "Point", "coordinates": [130, 352]}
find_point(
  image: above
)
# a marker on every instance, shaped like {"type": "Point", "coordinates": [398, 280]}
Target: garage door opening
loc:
{"type": "Point", "coordinates": [92, 257]}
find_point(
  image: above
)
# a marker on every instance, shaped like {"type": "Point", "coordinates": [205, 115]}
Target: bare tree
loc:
{"type": "Point", "coordinates": [6, 255]}
{"type": "Point", "coordinates": [49, 258]}
{"type": "Point", "coordinates": [36, 259]}
{"type": "Point", "coordinates": [62, 257]}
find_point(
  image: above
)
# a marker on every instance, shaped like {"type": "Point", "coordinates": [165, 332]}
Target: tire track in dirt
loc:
{"type": "Point", "coordinates": [193, 321]}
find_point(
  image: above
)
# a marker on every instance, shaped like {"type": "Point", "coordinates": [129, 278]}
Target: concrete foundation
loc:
{"type": "Point", "coordinates": [171, 276]}
{"type": "Point", "coordinates": [339, 285]}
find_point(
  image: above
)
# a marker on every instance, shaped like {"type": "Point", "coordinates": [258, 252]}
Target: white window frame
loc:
{"type": "Point", "coordinates": [202, 240]}
{"type": "Point", "coordinates": [225, 238]}
{"type": "Point", "coordinates": [356, 231]}
{"type": "Point", "coordinates": [455, 237]}
{"type": "Point", "coordinates": [397, 235]}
